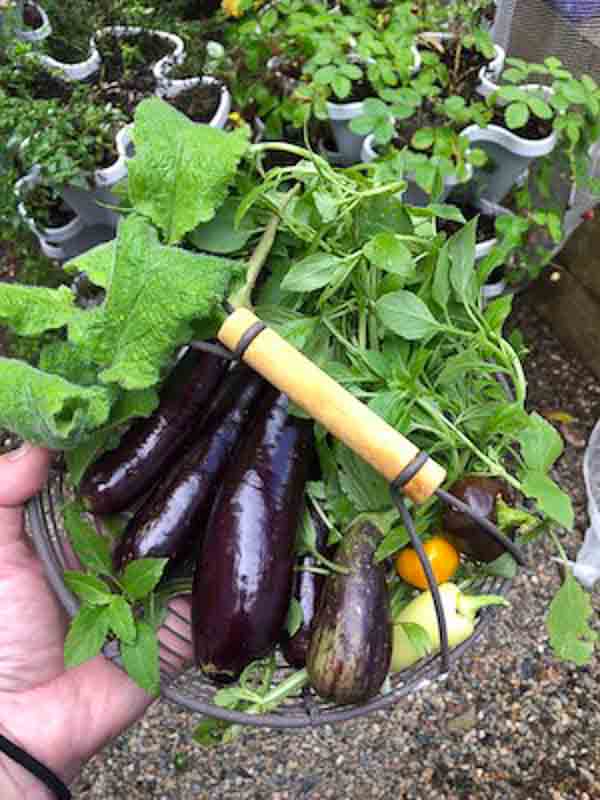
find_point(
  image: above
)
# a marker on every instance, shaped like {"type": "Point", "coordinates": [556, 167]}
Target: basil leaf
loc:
{"type": "Point", "coordinates": [461, 249]}
{"type": "Point", "coordinates": [141, 576]}
{"type": "Point", "coordinates": [87, 633]}
{"type": "Point", "coordinates": [91, 589]}
{"type": "Point", "coordinates": [407, 315]}
{"type": "Point", "coordinates": [121, 620]}
{"type": "Point", "coordinates": [91, 549]}
{"type": "Point", "coordinates": [140, 658]}
{"type": "Point", "coordinates": [390, 255]}
{"type": "Point", "coordinates": [541, 443]}
{"type": "Point", "coordinates": [311, 273]}
{"type": "Point", "coordinates": [551, 499]}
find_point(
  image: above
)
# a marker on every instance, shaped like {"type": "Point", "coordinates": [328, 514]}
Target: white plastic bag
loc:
{"type": "Point", "coordinates": [587, 564]}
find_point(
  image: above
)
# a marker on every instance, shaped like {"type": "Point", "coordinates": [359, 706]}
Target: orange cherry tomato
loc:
{"type": "Point", "coordinates": [443, 557]}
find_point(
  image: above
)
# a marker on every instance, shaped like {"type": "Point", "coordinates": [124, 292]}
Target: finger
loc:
{"type": "Point", "coordinates": [22, 473]}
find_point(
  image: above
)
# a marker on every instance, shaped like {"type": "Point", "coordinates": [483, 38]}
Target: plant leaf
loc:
{"type": "Point", "coordinates": [87, 633]}
{"type": "Point", "coordinates": [121, 620]}
{"type": "Point", "coordinates": [551, 499]}
{"type": "Point", "coordinates": [440, 289]}
{"type": "Point", "coordinates": [571, 637]}
{"type": "Point", "coordinates": [140, 659]}
{"type": "Point", "coordinates": [95, 262]}
{"type": "Point", "coordinates": [541, 443]}
{"type": "Point", "coordinates": [48, 410]}
{"type": "Point", "coordinates": [516, 115]}
{"type": "Point", "coordinates": [221, 235]}
{"type": "Point", "coordinates": [32, 310]}
{"type": "Point", "coordinates": [181, 171]}
{"type": "Point", "coordinates": [311, 273]}
{"type": "Point", "coordinates": [154, 295]}
{"type": "Point", "coordinates": [92, 549]}
{"type": "Point", "coordinates": [295, 617]}
{"type": "Point", "coordinates": [407, 315]}
{"type": "Point", "coordinates": [387, 253]}
{"type": "Point", "coordinates": [141, 576]}
{"type": "Point", "coordinates": [93, 590]}
{"type": "Point", "coordinates": [461, 250]}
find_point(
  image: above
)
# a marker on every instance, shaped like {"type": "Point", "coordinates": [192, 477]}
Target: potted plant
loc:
{"type": "Point", "coordinates": [36, 25]}
{"type": "Point", "coordinates": [48, 217]}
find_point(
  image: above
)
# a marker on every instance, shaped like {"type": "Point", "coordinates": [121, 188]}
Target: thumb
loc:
{"type": "Point", "coordinates": [23, 472]}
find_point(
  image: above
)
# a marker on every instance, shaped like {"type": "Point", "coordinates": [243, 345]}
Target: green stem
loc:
{"type": "Point", "coordinates": [243, 297]}
{"type": "Point", "coordinates": [497, 468]}
{"type": "Point", "coordinates": [282, 691]}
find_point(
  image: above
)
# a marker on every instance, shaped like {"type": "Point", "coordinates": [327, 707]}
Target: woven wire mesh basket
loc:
{"type": "Point", "coordinates": [188, 687]}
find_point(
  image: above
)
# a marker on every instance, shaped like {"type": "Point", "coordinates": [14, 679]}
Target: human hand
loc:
{"type": "Point", "coordinates": [62, 717]}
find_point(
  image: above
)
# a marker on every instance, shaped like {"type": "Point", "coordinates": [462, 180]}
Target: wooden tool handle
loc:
{"type": "Point", "coordinates": [337, 410]}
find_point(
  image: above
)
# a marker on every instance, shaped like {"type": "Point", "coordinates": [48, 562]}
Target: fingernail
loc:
{"type": "Point", "coordinates": [15, 455]}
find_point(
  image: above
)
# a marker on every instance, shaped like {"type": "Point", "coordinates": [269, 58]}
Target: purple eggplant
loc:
{"type": "Point", "coordinates": [171, 519]}
{"type": "Point", "coordinates": [307, 590]}
{"type": "Point", "coordinates": [244, 573]}
{"type": "Point", "coordinates": [121, 476]}
{"type": "Point", "coordinates": [351, 644]}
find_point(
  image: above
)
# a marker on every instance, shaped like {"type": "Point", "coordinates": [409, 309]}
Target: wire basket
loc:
{"type": "Point", "coordinates": [190, 688]}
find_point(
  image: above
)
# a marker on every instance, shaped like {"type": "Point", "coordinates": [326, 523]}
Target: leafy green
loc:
{"type": "Point", "coordinates": [407, 315]}
{"type": "Point", "coordinates": [551, 499]}
{"type": "Point", "coordinates": [295, 617]}
{"type": "Point", "coordinates": [48, 410]}
{"type": "Point", "coordinates": [31, 310]}
{"type": "Point", "coordinates": [311, 273]}
{"type": "Point", "coordinates": [154, 294]}
{"type": "Point", "coordinates": [142, 576]}
{"type": "Point", "coordinates": [221, 235]}
{"type": "Point", "coordinates": [181, 171]}
{"type": "Point", "coordinates": [541, 444]}
{"type": "Point", "coordinates": [389, 254]}
{"type": "Point", "coordinates": [96, 263]}
{"type": "Point", "coordinates": [571, 637]}
{"type": "Point", "coordinates": [91, 549]}
{"type": "Point", "coordinates": [140, 658]}
{"type": "Point", "coordinates": [87, 634]}
{"type": "Point", "coordinates": [93, 590]}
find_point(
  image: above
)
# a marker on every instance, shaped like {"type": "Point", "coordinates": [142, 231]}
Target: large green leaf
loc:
{"type": "Point", "coordinates": [407, 315]}
{"type": "Point", "coordinates": [95, 262]}
{"type": "Point", "coordinates": [154, 295]}
{"type": "Point", "coordinates": [47, 409]}
{"type": "Point", "coordinates": [31, 310]}
{"type": "Point", "coordinates": [181, 170]}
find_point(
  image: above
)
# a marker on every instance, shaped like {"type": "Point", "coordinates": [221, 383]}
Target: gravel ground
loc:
{"type": "Point", "coordinates": [510, 722]}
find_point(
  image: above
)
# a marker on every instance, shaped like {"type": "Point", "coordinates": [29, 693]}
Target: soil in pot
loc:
{"type": "Point", "coordinates": [32, 18]}
{"type": "Point", "coordinates": [200, 103]}
{"type": "Point", "coordinates": [126, 70]}
{"type": "Point", "coordinates": [66, 51]}
{"type": "Point", "coordinates": [38, 85]}
{"type": "Point", "coordinates": [534, 128]}
{"type": "Point", "coordinates": [47, 208]}
{"type": "Point", "coordinates": [463, 65]}
{"type": "Point", "coordinates": [486, 225]}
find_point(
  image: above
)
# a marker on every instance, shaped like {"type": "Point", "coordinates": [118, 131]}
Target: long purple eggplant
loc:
{"type": "Point", "coordinates": [244, 575]}
{"type": "Point", "coordinates": [170, 521]}
{"type": "Point", "coordinates": [307, 590]}
{"type": "Point", "coordinates": [121, 476]}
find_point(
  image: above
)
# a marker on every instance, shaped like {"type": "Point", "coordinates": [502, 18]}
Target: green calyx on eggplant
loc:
{"type": "Point", "coordinates": [480, 493]}
{"type": "Point", "coordinates": [351, 644]}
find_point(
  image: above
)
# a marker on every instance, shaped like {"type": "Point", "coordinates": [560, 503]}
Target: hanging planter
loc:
{"type": "Point", "coordinates": [349, 144]}
{"type": "Point", "coordinates": [203, 99]}
{"type": "Point", "coordinates": [509, 157]}
{"type": "Point", "coordinates": [415, 195]}
{"type": "Point", "coordinates": [172, 43]}
{"type": "Point", "coordinates": [93, 204]}
{"type": "Point", "coordinates": [62, 223]}
{"type": "Point", "coordinates": [79, 71]}
{"type": "Point", "coordinates": [36, 25]}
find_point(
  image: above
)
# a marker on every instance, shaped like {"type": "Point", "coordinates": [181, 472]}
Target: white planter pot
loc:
{"type": "Point", "coordinates": [164, 63]}
{"type": "Point", "coordinates": [50, 239]}
{"type": "Point", "coordinates": [40, 33]}
{"type": "Point", "coordinates": [414, 195]}
{"type": "Point", "coordinates": [74, 72]}
{"type": "Point", "coordinates": [509, 156]}
{"type": "Point", "coordinates": [90, 203]}
{"type": "Point", "coordinates": [488, 74]}
{"type": "Point", "coordinates": [176, 87]}
{"type": "Point", "coordinates": [349, 144]}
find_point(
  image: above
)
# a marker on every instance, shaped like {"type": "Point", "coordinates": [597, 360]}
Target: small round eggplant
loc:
{"type": "Point", "coordinates": [479, 493]}
{"type": "Point", "coordinates": [351, 645]}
